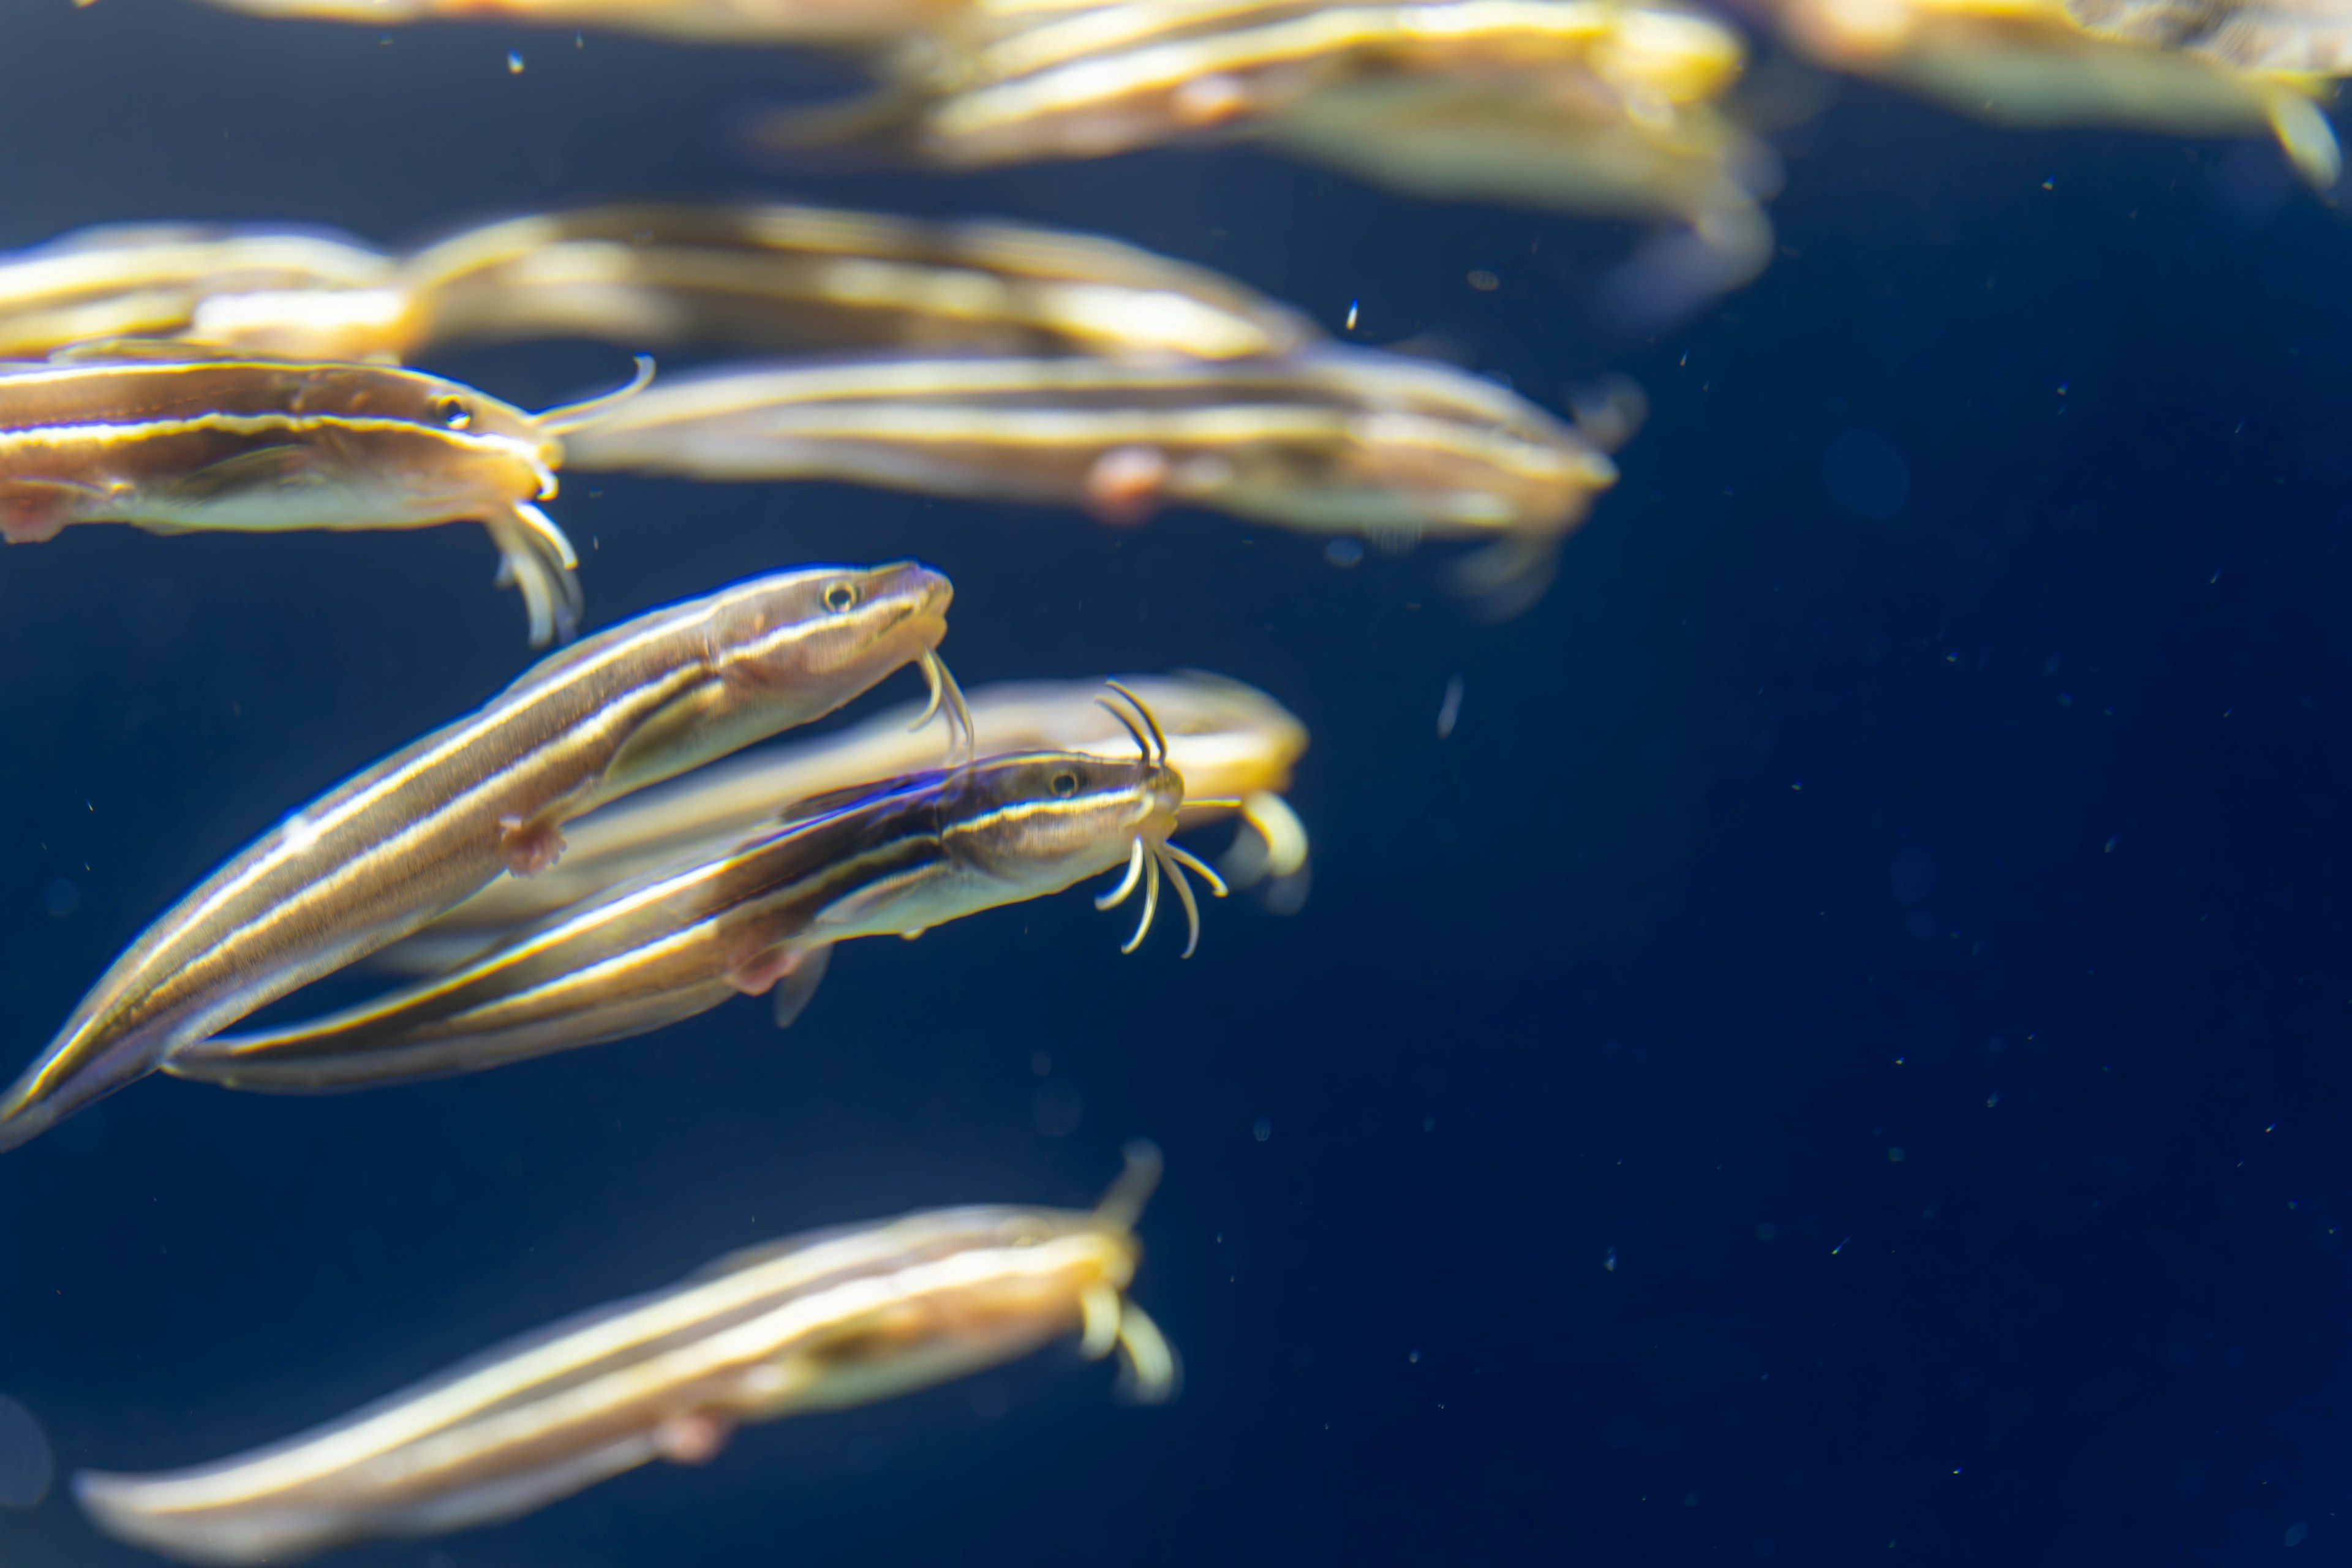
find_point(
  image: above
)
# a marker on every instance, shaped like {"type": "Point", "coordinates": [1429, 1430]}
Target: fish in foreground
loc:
{"type": "Point", "coordinates": [1328, 440]}
{"type": "Point", "coordinates": [762, 915]}
{"type": "Point", "coordinates": [822, 1322]}
{"type": "Point", "coordinates": [175, 439]}
{"type": "Point", "coordinates": [1233, 745]}
{"type": "Point", "coordinates": [378, 856]}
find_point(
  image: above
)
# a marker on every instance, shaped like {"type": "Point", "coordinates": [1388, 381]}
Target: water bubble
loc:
{"type": "Point", "coordinates": [1866, 475]}
{"type": "Point", "coordinates": [28, 1465]}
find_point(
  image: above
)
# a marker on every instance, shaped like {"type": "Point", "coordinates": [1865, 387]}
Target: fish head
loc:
{"type": "Point", "coordinates": [832, 628]}
{"type": "Point", "coordinates": [460, 442]}
{"type": "Point", "coordinates": [1044, 820]}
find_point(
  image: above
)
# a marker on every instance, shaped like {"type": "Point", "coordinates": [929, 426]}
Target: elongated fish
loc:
{"type": "Point", "coordinates": [376, 858]}
{"type": "Point", "coordinates": [1329, 440]}
{"type": "Point", "coordinates": [819, 22]}
{"type": "Point", "coordinates": [125, 280]}
{"type": "Point", "coordinates": [2312, 36]}
{"type": "Point", "coordinates": [172, 439]}
{"type": "Point", "coordinates": [764, 914]}
{"type": "Point", "coordinates": [823, 1322]}
{"type": "Point", "coordinates": [790, 277]}
{"type": "Point", "coordinates": [1233, 745]}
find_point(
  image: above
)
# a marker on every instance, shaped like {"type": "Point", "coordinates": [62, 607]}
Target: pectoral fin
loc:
{"type": "Point", "coordinates": [758, 975]}
{"type": "Point", "coordinates": [34, 511]}
{"type": "Point", "coordinates": [796, 990]}
{"type": "Point", "coordinates": [264, 467]}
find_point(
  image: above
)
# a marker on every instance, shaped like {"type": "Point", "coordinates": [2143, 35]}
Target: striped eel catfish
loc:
{"type": "Point", "coordinates": [384, 853]}
{"type": "Point", "coordinates": [824, 1320]}
{"type": "Point", "coordinates": [174, 438]}
{"type": "Point", "coordinates": [1233, 745]}
{"type": "Point", "coordinates": [897, 860]}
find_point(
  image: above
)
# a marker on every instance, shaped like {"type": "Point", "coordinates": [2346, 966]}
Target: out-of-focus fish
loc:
{"type": "Point", "coordinates": [2027, 63]}
{"type": "Point", "coordinates": [777, 277]}
{"type": "Point", "coordinates": [1232, 744]}
{"type": "Point", "coordinates": [2305, 37]}
{"type": "Point", "coordinates": [174, 440]}
{"type": "Point", "coordinates": [165, 280]}
{"type": "Point", "coordinates": [816, 21]}
{"type": "Point", "coordinates": [375, 858]}
{"type": "Point", "coordinates": [823, 1322]}
{"type": "Point", "coordinates": [762, 915]}
{"type": "Point", "coordinates": [1329, 440]}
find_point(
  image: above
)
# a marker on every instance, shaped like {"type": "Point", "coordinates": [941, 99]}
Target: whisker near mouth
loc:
{"type": "Point", "coordinates": [1183, 888]}
{"type": "Point", "coordinates": [963, 736]}
{"type": "Point", "coordinates": [1117, 895]}
{"type": "Point", "coordinates": [1127, 724]}
{"type": "Point", "coordinates": [1150, 723]}
{"type": "Point", "coordinates": [1150, 900]}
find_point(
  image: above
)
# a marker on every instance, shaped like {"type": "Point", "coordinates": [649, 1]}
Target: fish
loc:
{"type": "Point", "coordinates": [2310, 37]}
{"type": "Point", "coordinates": [175, 439]}
{"type": "Point", "coordinates": [385, 852]}
{"type": "Point", "coordinates": [2030, 63]}
{"type": "Point", "coordinates": [1233, 745]}
{"type": "Point", "coordinates": [1328, 441]}
{"type": "Point", "coordinates": [186, 281]}
{"type": "Point", "coordinates": [838, 22]}
{"type": "Point", "coordinates": [760, 276]}
{"type": "Point", "coordinates": [826, 1321]}
{"type": "Point", "coordinates": [761, 916]}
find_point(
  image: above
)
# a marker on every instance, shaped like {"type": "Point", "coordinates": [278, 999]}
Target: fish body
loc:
{"type": "Point", "coordinates": [678, 942]}
{"type": "Point", "coordinates": [1233, 745]}
{"type": "Point", "coordinates": [789, 277]}
{"type": "Point", "coordinates": [171, 443]}
{"type": "Point", "coordinates": [125, 280]}
{"type": "Point", "coordinates": [1331, 440]}
{"type": "Point", "coordinates": [816, 21]}
{"type": "Point", "coordinates": [823, 1322]}
{"type": "Point", "coordinates": [376, 858]}
{"type": "Point", "coordinates": [2297, 37]}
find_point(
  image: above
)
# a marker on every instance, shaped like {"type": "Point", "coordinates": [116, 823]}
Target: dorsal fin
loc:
{"type": "Point", "coordinates": [840, 799]}
{"type": "Point", "coordinates": [145, 351]}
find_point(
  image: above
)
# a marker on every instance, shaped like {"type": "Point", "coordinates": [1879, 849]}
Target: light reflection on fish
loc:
{"type": "Point", "coordinates": [823, 1322]}
{"type": "Point", "coordinates": [816, 21]}
{"type": "Point", "coordinates": [375, 858]}
{"type": "Point", "coordinates": [1331, 440]}
{"type": "Point", "coordinates": [763, 914]}
{"type": "Point", "coordinates": [2295, 36]}
{"type": "Point", "coordinates": [1232, 744]}
{"type": "Point", "coordinates": [2031, 63]}
{"type": "Point", "coordinates": [174, 441]}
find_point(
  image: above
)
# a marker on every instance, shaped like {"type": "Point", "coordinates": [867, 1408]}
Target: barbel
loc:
{"type": "Point", "coordinates": [1233, 745]}
{"type": "Point", "coordinates": [379, 855]}
{"type": "Point", "coordinates": [763, 915]}
{"type": "Point", "coordinates": [826, 1320]}
{"type": "Point", "coordinates": [173, 439]}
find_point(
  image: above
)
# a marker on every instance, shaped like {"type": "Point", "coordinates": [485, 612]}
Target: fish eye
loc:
{"type": "Point", "coordinates": [453, 411]}
{"type": "Point", "coordinates": [840, 596]}
{"type": "Point", "coordinates": [1063, 784]}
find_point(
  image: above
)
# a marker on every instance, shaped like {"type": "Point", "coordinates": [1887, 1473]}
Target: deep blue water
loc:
{"type": "Point", "coordinates": [2006, 834]}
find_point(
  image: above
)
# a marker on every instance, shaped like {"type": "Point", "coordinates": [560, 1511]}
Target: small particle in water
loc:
{"type": "Point", "coordinates": [1483, 281]}
{"type": "Point", "coordinates": [1353, 306]}
{"type": "Point", "coordinates": [1343, 552]}
{"type": "Point", "coordinates": [514, 63]}
{"type": "Point", "coordinates": [2050, 183]}
{"type": "Point", "coordinates": [1839, 1248]}
{"type": "Point", "coordinates": [1690, 1499]}
{"type": "Point", "coordinates": [1413, 1356]}
{"type": "Point", "coordinates": [28, 1465]}
{"type": "Point", "coordinates": [1262, 1129]}
{"type": "Point", "coordinates": [1992, 1099]}
{"type": "Point", "coordinates": [1768, 1231]}
{"type": "Point", "coordinates": [60, 897]}
{"type": "Point", "coordinates": [1451, 709]}
{"type": "Point", "coordinates": [1895, 1155]}
{"type": "Point", "coordinates": [1042, 1063]}
{"type": "Point", "coordinates": [1608, 1260]}
{"type": "Point", "coordinates": [2297, 1533]}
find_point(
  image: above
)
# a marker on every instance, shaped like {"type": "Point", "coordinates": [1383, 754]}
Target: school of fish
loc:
{"type": "Point", "coordinates": [187, 377]}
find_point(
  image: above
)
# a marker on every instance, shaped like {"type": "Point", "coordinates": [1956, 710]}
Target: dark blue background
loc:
{"type": "Point", "coordinates": [2058, 910]}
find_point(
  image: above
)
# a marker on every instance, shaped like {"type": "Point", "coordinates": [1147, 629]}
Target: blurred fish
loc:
{"type": "Point", "coordinates": [1331, 440]}
{"type": "Point", "coordinates": [1233, 745]}
{"type": "Point", "coordinates": [774, 277]}
{"type": "Point", "coordinates": [822, 1322]}
{"type": "Point", "coordinates": [174, 440]}
{"type": "Point", "coordinates": [896, 860]}
{"type": "Point", "coordinates": [2027, 63]}
{"type": "Point", "coordinates": [2312, 36]}
{"type": "Point", "coordinates": [161, 280]}
{"type": "Point", "coordinates": [836, 22]}
{"type": "Point", "coordinates": [378, 856]}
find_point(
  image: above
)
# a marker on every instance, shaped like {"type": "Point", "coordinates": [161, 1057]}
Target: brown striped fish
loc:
{"type": "Point", "coordinates": [826, 1320]}
{"type": "Point", "coordinates": [762, 915]}
{"type": "Point", "coordinates": [174, 440]}
{"type": "Point", "coordinates": [378, 856]}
